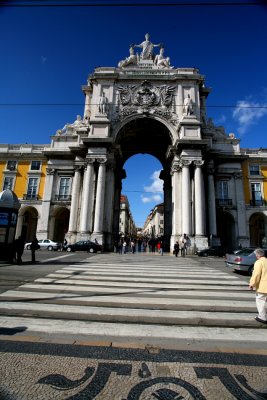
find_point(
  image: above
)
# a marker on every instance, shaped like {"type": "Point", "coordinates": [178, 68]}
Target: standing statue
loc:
{"type": "Point", "coordinates": [188, 107]}
{"type": "Point", "coordinates": [161, 61]}
{"type": "Point", "coordinates": [103, 104]}
{"type": "Point", "coordinates": [132, 59]}
{"type": "Point", "coordinates": [147, 48]}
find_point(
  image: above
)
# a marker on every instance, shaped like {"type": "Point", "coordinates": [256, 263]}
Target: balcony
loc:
{"type": "Point", "coordinates": [30, 196]}
{"type": "Point", "coordinates": [258, 203]}
{"type": "Point", "coordinates": [62, 197]}
{"type": "Point", "coordinates": [224, 202]}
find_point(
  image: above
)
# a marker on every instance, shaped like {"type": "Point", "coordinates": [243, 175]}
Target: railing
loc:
{"type": "Point", "coordinates": [62, 197]}
{"type": "Point", "coordinates": [29, 196]}
{"type": "Point", "coordinates": [258, 203]}
{"type": "Point", "coordinates": [224, 202]}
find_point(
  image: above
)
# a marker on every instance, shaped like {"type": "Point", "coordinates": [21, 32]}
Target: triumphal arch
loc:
{"type": "Point", "coordinates": [147, 105]}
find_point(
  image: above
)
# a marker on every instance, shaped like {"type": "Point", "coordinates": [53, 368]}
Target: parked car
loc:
{"type": "Point", "coordinates": [85, 245]}
{"type": "Point", "coordinates": [45, 244]}
{"type": "Point", "coordinates": [242, 260]}
{"type": "Point", "coordinates": [211, 251]}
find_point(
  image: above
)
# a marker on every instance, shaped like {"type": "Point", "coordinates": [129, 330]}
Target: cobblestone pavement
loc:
{"type": "Point", "coordinates": [132, 327]}
{"type": "Point", "coordinates": [32, 371]}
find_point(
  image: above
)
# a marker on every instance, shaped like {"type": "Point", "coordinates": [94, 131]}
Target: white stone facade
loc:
{"type": "Point", "coordinates": [146, 106]}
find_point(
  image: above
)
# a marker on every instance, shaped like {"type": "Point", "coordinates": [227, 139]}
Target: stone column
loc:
{"type": "Point", "coordinates": [199, 200]}
{"type": "Point", "coordinates": [100, 195]}
{"type": "Point", "coordinates": [186, 197]}
{"type": "Point", "coordinates": [75, 193]}
{"type": "Point", "coordinates": [176, 199]}
{"type": "Point", "coordinates": [43, 224]}
{"type": "Point", "coordinates": [241, 210]}
{"type": "Point", "coordinates": [87, 198]}
{"type": "Point", "coordinates": [109, 204]}
{"type": "Point", "coordinates": [211, 202]}
{"type": "Point", "coordinates": [19, 224]}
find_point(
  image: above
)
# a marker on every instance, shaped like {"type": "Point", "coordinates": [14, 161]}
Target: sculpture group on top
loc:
{"type": "Point", "coordinates": [147, 54]}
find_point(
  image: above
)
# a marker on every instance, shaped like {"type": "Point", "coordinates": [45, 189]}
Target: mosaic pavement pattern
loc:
{"type": "Point", "coordinates": [31, 371]}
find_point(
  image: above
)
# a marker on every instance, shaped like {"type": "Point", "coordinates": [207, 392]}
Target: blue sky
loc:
{"type": "Point", "coordinates": [47, 53]}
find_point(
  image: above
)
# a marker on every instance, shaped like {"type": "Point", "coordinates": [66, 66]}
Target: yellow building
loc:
{"type": "Point", "coordinates": [255, 189]}
{"type": "Point", "coordinates": [23, 170]}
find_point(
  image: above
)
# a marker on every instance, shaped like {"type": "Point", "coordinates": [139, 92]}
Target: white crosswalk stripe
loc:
{"type": "Point", "coordinates": [142, 298]}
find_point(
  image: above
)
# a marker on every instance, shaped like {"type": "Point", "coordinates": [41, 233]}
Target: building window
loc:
{"type": "Point", "coordinates": [32, 188]}
{"type": "Point", "coordinates": [8, 183]}
{"type": "Point", "coordinates": [256, 194]}
{"type": "Point", "coordinates": [222, 190]}
{"type": "Point", "coordinates": [11, 165]}
{"type": "Point", "coordinates": [35, 165]}
{"type": "Point", "coordinates": [64, 188]}
{"type": "Point", "coordinates": [254, 169]}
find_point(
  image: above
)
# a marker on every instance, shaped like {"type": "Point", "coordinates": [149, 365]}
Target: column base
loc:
{"type": "Point", "coordinates": [99, 236]}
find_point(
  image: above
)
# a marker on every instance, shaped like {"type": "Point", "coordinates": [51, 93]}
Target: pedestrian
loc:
{"type": "Point", "coordinates": [132, 244]}
{"type": "Point", "coordinates": [19, 246]}
{"type": "Point", "coordinates": [258, 281]}
{"type": "Point", "coordinates": [183, 245]}
{"type": "Point", "coordinates": [176, 249]}
{"type": "Point", "coordinates": [160, 248]}
{"type": "Point", "coordinates": [34, 246]}
{"type": "Point", "coordinates": [64, 245]}
{"type": "Point", "coordinates": [119, 247]}
{"type": "Point", "coordinates": [124, 245]}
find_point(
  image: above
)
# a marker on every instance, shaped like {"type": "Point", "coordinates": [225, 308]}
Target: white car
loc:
{"type": "Point", "coordinates": [45, 244]}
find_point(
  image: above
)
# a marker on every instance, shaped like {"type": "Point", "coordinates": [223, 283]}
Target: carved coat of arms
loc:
{"type": "Point", "coordinates": [145, 98]}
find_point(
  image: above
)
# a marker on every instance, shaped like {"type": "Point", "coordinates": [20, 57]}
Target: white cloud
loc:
{"type": "Point", "coordinates": [157, 184]}
{"type": "Point", "coordinates": [156, 188]}
{"type": "Point", "coordinates": [248, 112]}
{"type": "Point", "coordinates": [156, 198]}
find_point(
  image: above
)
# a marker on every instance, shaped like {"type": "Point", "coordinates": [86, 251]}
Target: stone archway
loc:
{"type": "Point", "coordinates": [226, 230]}
{"type": "Point", "coordinates": [61, 223]}
{"type": "Point", "coordinates": [27, 223]}
{"type": "Point", "coordinates": [257, 230]}
{"type": "Point", "coordinates": [146, 136]}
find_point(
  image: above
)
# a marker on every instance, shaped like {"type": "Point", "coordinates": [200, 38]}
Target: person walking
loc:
{"type": "Point", "coordinates": [176, 248]}
{"type": "Point", "coordinates": [19, 246]}
{"type": "Point", "coordinates": [258, 281]}
{"type": "Point", "coordinates": [183, 245]}
{"type": "Point", "coordinates": [34, 246]}
{"type": "Point", "coordinates": [160, 248]}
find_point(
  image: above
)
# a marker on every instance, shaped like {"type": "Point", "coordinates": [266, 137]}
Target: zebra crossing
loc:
{"type": "Point", "coordinates": [137, 298]}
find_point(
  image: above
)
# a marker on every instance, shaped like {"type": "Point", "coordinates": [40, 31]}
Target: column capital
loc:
{"type": "Point", "coordinates": [237, 175]}
{"type": "Point", "coordinates": [176, 167]}
{"type": "Point", "coordinates": [90, 160]}
{"type": "Point", "coordinates": [211, 168]}
{"type": "Point", "coordinates": [77, 168]}
{"type": "Point", "coordinates": [50, 171]}
{"type": "Point", "coordinates": [185, 163]}
{"type": "Point", "coordinates": [101, 160]}
{"type": "Point", "coordinates": [198, 163]}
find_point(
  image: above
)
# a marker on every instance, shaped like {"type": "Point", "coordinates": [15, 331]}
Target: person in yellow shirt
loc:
{"type": "Point", "coordinates": [258, 282]}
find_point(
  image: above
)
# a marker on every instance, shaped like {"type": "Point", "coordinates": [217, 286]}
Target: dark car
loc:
{"type": "Point", "coordinates": [211, 251]}
{"type": "Point", "coordinates": [84, 245]}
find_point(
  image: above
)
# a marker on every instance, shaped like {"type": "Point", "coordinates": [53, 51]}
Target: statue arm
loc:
{"type": "Point", "coordinates": [138, 45]}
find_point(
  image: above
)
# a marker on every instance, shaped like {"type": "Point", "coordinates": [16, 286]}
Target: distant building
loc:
{"type": "Point", "coordinates": [127, 225]}
{"type": "Point", "coordinates": [154, 224]}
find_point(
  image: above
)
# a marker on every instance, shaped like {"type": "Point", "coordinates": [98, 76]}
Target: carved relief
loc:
{"type": "Point", "coordinates": [146, 98]}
